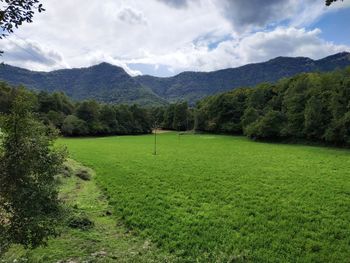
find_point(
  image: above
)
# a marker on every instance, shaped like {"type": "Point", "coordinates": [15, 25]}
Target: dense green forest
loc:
{"type": "Point", "coordinates": [85, 118]}
{"type": "Point", "coordinates": [312, 106]}
{"type": "Point", "coordinates": [91, 118]}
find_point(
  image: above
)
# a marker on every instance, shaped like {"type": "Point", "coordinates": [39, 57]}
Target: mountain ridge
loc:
{"type": "Point", "coordinates": [112, 84]}
{"type": "Point", "coordinates": [243, 76]}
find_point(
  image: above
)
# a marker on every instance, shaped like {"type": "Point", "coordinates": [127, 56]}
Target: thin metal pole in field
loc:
{"type": "Point", "coordinates": [155, 141]}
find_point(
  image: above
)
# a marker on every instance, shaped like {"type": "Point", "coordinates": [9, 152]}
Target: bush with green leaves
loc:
{"type": "Point", "coordinates": [29, 162]}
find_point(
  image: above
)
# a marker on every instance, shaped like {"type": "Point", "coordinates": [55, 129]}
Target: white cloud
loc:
{"type": "Point", "coordinates": [257, 47]}
{"type": "Point", "coordinates": [97, 57]}
{"type": "Point", "coordinates": [290, 41]}
{"type": "Point", "coordinates": [174, 34]}
{"type": "Point", "coordinates": [132, 16]}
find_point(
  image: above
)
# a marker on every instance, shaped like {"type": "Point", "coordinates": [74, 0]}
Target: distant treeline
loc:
{"type": "Point", "coordinates": [176, 116]}
{"type": "Point", "coordinates": [86, 118]}
{"type": "Point", "coordinates": [91, 118]}
{"type": "Point", "coordinates": [312, 106]}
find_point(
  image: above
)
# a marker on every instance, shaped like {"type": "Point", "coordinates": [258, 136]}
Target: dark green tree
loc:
{"type": "Point", "coordinates": [73, 126]}
{"type": "Point", "coordinates": [314, 126]}
{"type": "Point", "coordinates": [180, 120]}
{"type": "Point", "coordinates": [108, 119]}
{"type": "Point", "coordinates": [294, 101]}
{"type": "Point", "coordinates": [5, 97]}
{"type": "Point", "coordinates": [89, 112]}
{"type": "Point", "coordinates": [55, 118]}
{"type": "Point", "coordinates": [141, 120]}
{"type": "Point", "coordinates": [29, 162]}
{"type": "Point", "coordinates": [267, 127]}
{"type": "Point", "coordinates": [250, 116]}
{"type": "Point", "coordinates": [169, 117]}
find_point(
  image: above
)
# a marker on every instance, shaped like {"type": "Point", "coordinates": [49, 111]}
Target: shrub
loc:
{"type": "Point", "coordinates": [29, 163]}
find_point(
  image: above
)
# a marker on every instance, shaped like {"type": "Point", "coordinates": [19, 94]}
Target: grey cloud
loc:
{"type": "Point", "coordinates": [132, 17]}
{"type": "Point", "coordinates": [245, 14]}
{"type": "Point", "coordinates": [175, 3]}
{"type": "Point", "coordinates": [19, 52]}
{"type": "Point", "coordinates": [256, 13]}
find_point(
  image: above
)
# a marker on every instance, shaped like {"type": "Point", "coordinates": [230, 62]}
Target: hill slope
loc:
{"type": "Point", "coordinates": [103, 82]}
{"type": "Point", "coordinates": [192, 86]}
{"type": "Point", "coordinates": [109, 83]}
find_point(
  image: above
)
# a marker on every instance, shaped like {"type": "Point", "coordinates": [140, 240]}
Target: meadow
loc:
{"type": "Point", "coordinates": [212, 198]}
{"type": "Point", "coordinates": [108, 240]}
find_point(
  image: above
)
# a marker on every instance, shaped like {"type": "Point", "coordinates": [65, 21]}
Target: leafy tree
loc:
{"type": "Point", "coordinates": [73, 126]}
{"type": "Point", "coordinates": [56, 101]}
{"type": "Point", "coordinates": [108, 119]}
{"type": "Point", "coordinates": [294, 106]}
{"type": "Point", "coordinates": [338, 131]}
{"type": "Point", "coordinates": [141, 120]}
{"type": "Point", "coordinates": [29, 204]}
{"type": "Point", "coordinates": [199, 119]}
{"type": "Point", "coordinates": [125, 120]}
{"type": "Point", "coordinates": [5, 97]}
{"type": "Point", "coordinates": [55, 118]}
{"type": "Point", "coordinates": [180, 120]}
{"type": "Point", "coordinates": [169, 117]}
{"type": "Point", "coordinates": [329, 2]}
{"type": "Point", "coordinates": [314, 126]}
{"type": "Point", "coordinates": [261, 96]}
{"type": "Point", "coordinates": [14, 13]}
{"type": "Point", "coordinates": [231, 110]}
{"type": "Point", "coordinates": [157, 115]}
{"type": "Point", "coordinates": [267, 127]}
{"type": "Point", "coordinates": [250, 116]}
{"type": "Point", "coordinates": [88, 111]}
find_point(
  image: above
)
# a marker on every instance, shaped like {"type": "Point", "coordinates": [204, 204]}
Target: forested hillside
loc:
{"type": "Point", "coordinates": [192, 86]}
{"type": "Point", "coordinates": [312, 106]}
{"type": "Point", "coordinates": [111, 84]}
{"type": "Point", "coordinates": [103, 82]}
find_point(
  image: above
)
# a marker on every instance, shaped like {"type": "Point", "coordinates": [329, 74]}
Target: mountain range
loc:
{"type": "Point", "coordinates": [111, 84]}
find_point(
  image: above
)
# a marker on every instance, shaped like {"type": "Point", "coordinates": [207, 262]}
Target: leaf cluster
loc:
{"type": "Point", "coordinates": [29, 163]}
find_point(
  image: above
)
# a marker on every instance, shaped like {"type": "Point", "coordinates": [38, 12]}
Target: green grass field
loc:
{"type": "Point", "coordinates": [212, 198]}
{"type": "Point", "coordinates": [107, 241]}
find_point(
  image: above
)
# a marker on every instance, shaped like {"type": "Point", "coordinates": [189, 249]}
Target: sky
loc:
{"type": "Point", "coordinates": [166, 37]}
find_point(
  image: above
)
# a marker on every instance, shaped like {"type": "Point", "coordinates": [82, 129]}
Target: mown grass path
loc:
{"type": "Point", "coordinates": [108, 241]}
{"type": "Point", "coordinates": [211, 198]}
